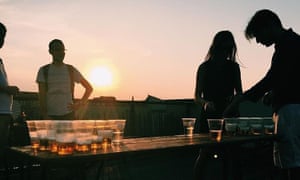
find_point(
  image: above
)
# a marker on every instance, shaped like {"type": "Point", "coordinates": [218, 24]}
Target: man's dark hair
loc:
{"type": "Point", "coordinates": [2, 29]}
{"type": "Point", "coordinates": [262, 19]}
{"type": "Point", "coordinates": [54, 41]}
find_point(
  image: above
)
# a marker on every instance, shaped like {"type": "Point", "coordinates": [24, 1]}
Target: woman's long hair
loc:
{"type": "Point", "coordinates": [223, 45]}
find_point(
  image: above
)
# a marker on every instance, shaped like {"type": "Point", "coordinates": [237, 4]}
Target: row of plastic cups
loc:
{"type": "Point", "coordinates": [215, 127]}
{"type": "Point", "coordinates": [249, 125]}
{"type": "Point", "coordinates": [63, 137]}
{"type": "Point", "coordinates": [233, 126]}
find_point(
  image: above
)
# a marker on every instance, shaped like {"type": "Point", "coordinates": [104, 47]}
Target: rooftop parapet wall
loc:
{"type": "Point", "coordinates": [144, 118]}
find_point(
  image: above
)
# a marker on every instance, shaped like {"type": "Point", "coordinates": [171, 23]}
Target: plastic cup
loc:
{"type": "Point", "coordinates": [35, 142]}
{"type": "Point", "coordinates": [269, 125]}
{"type": "Point", "coordinates": [215, 128]}
{"type": "Point", "coordinates": [188, 126]}
{"type": "Point", "coordinates": [118, 126]}
{"type": "Point", "coordinates": [243, 125]}
{"type": "Point", "coordinates": [256, 125]}
{"type": "Point", "coordinates": [97, 137]}
{"type": "Point", "coordinates": [83, 134]}
{"type": "Point", "coordinates": [231, 126]}
{"type": "Point", "coordinates": [65, 137]}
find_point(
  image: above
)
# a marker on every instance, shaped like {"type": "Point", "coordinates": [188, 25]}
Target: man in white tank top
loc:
{"type": "Point", "coordinates": [56, 87]}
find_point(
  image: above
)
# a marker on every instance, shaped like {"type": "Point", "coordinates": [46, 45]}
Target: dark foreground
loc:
{"type": "Point", "coordinates": [255, 164]}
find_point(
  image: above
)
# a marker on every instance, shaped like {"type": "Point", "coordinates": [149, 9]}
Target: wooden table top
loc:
{"type": "Point", "coordinates": [132, 146]}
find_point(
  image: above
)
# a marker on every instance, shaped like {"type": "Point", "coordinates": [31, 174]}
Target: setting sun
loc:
{"type": "Point", "coordinates": [101, 76]}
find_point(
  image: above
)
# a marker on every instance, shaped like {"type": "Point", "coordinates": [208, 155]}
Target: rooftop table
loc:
{"type": "Point", "coordinates": [132, 147]}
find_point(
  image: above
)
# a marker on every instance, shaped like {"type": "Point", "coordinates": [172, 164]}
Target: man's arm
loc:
{"type": "Point", "coordinates": [199, 88]}
{"type": "Point", "coordinates": [88, 91]}
{"type": "Point", "coordinates": [237, 99]}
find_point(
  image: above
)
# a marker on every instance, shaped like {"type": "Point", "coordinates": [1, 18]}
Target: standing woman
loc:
{"type": "Point", "coordinates": [218, 79]}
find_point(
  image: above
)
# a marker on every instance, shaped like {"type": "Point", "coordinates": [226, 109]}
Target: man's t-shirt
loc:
{"type": "Point", "coordinates": [59, 93]}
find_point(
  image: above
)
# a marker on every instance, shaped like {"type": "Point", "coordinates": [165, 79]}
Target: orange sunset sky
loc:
{"type": "Point", "coordinates": [134, 48]}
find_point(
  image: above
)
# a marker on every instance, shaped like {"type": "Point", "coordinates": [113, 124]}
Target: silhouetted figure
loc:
{"type": "Point", "coordinates": [218, 80]}
{"type": "Point", "coordinates": [56, 85]}
{"type": "Point", "coordinates": [19, 133]}
{"type": "Point", "coordinates": [6, 101]}
{"type": "Point", "coordinates": [282, 79]}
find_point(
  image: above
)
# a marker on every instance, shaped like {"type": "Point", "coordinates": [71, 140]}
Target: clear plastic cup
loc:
{"type": "Point", "coordinates": [65, 137]}
{"type": "Point", "coordinates": [188, 126]}
{"type": "Point", "coordinates": [215, 128]}
{"type": "Point", "coordinates": [118, 126]}
{"type": "Point", "coordinates": [83, 134]}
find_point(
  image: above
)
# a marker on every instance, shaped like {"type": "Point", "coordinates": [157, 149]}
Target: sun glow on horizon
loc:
{"type": "Point", "coordinates": [101, 76]}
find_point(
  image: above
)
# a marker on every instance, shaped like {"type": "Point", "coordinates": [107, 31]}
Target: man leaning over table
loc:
{"type": "Point", "coordinates": [282, 79]}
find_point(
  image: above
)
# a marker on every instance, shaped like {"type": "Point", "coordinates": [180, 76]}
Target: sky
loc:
{"type": "Point", "coordinates": [133, 48]}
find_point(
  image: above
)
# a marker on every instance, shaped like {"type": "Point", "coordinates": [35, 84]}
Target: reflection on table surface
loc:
{"type": "Point", "coordinates": [146, 144]}
{"type": "Point", "coordinates": [164, 157]}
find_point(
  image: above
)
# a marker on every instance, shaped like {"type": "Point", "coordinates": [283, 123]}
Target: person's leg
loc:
{"type": "Point", "coordinates": [211, 164]}
{"type": "Point", "coordinates": [281, 173]}
{"type": "Point", "coordinates": [287, 143]}
{"type": "Point", "coordinates": [5, 120]}
{"type": "Point", "coordinates": [201, 164]}
{"type": "Point", "coordinates": [233, 164]}
{"type": "Point", "coordinates": [294, 173]}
